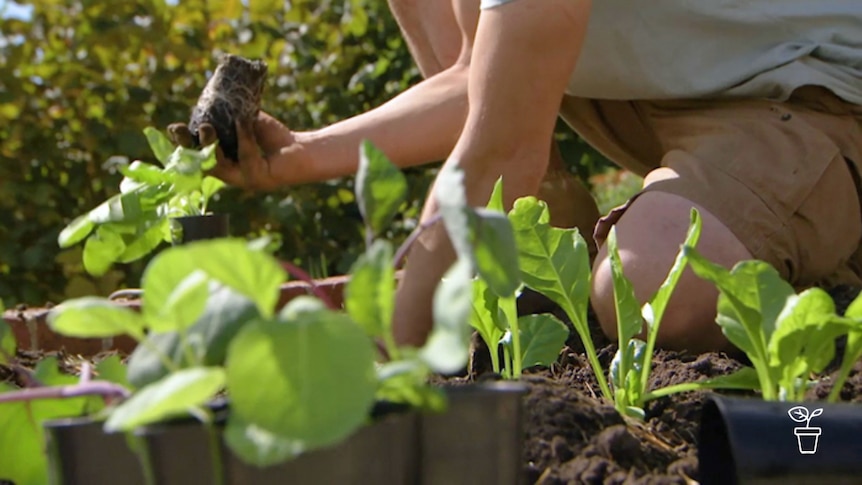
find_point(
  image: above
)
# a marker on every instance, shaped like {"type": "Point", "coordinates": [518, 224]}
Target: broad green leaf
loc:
{"type": "Point", "coordinates": [658, 303]}
{"type": "Point", "coordinates": [76, 231]}
{"type": "Point", "coordinates": [140, 245]}
{"type": "Point", "coordinates": [184, 303]}
{"type": "Point", "coordinates": [318, 371]}
{"type": "Point", "coordinates": [495, 253]}
{"type": "Point", "coordinates": [102, 249]}
{"type": "Point", "coordinates": [752, 296]}
{"type": "Point", "coordinates": [94, 317]}
{"type": "Point", "coordinates": [112, 369]}
{"type": "Point", "coordinates": [369, 295]}
{"type": "Point", "coordinates": [22, 441]}
{"type": "Point", "coordinates": [257, 446]}
{"type": "Point", "coordinates": [448, 347]}
{"type": "Point", "coordinates": [381, 187]}
{"type": "Point", "coordinates": [144, 173]}
{"type": "Point", "coordinates": [210, 186]}
{"type": "Point", "coordinates": [252, 273]}
{"type": "Point", "coordinates": [543, 336]}
{"type": "Point", "coordinates": [226, 313]}
{"type": "Point", "coordinates": [170, 397]}
{"type": "Point", "coordinates": [553, 261]}
{"type": "Point", "coordinates": [159, 144]}
{"type": "Point", "coordinates": [804, 339]}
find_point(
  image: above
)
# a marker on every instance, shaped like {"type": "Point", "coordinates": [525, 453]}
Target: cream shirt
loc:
{"type": "Point", "coordinates": [666, 49]}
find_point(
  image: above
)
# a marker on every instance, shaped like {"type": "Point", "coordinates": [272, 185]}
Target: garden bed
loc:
{"type": "Point", "coordinates": [571, 436]}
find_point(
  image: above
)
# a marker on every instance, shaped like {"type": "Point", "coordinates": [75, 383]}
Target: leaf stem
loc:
{"type": "Point", "coordinates": [90, 388]}
{"type": "Point", "coordinates": [298, 273]}
{"type": "Point", "coordinates": [401, 253]}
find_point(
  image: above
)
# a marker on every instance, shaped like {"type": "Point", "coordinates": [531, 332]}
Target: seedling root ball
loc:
{"type": "Point", "coordinates": [232, 94]}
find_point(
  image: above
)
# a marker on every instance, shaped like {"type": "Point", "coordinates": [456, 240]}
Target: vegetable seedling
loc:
{"type": "Point", "coordinates": [134, 222]}
{"type": "Point", "coordinates": [787, 336]}
{"type": "Point", "coordinates": [528, 341]}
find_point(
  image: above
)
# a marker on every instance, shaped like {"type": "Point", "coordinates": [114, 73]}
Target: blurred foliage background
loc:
{"type": "Point", "coordinates": [81, 79]}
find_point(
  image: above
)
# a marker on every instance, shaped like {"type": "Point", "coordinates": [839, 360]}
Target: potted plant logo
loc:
{"type": "Point", "coordinates": [807, 437]}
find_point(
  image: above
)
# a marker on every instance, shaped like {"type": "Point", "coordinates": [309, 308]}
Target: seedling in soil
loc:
{"type": "Point", "coordinates": [134, 222]}
{"type": "Point", "coordinates": [232, 95]}
{"type": "Point", "coordinates": [528, 341]}
{"type": "Point", "coordinates": [632, 363]}
{"type": "Point", "coordinates": [787, 336]}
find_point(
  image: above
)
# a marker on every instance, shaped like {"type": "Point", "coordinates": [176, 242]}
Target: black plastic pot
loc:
{"type": "Point", "coordinates": [477, 440]}
{"type": "Point", "coordinates": [197, 228]}
{"type": "Point", "coordinates": [750, 441]}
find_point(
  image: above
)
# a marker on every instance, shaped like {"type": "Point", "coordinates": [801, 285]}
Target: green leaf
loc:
{"type": "Point", "coordinates": [8, 344]}
{"type": "Point", "coordinates": [144, 173]}
{"type": "Point", "coordinates": [486, 318]}
{"type": "Point", "coordinates": [159, 144]}
{"type": "Point", "coordinates": [170, 397]}
{"type": "Point", "coordinates": [76, 231]}
{"type": "Point", "coordinates": [654, 309]}
{"type": "Point", "coordinates": [102, 249]}
{"type": "Point", "coordinates": [252, 273]}
{"type": "Point", "coordinates": [553, 261]}
{"type": "Point", "coordinates": [453, 208]}
{"type": "Point", "coordinates": [406, 382]}
{"type": "Point", "coordinates": [140, 245]}
{"type": "Point", "coordinates": [22, 442]}
{"type": "Point", "coordinates": [369, 295]}
{"type": "Point", "coordinates": [183, 304]}
{"type": "Point", "coordinates": [495, 202]}
{"type": "Point", "coordinates": [257, 446]}
{"type": "Point", "coordinates": [112, 369]}
{"type": "Point", "coordinates": [629, 320]}
{"type": "Point", "coordinates": [381, 187]}
{"type": "Point", "coordinates": [447, 349]}
{"type": "Point", "coordinates": [543, 336]}
{"type": "Point", "coordinates": [752, 296]}
{"type": "Point", "coordinates": [226, 313]}
{"type": "Point", "coordinates": [804, 339]}
{"type": "Point", "coordinates": [319, 375]}
{"type": "Point", "coordinates": [210, 186]}
{"type": "Point", "coordinates": [94, 317]}
{"type": "Point", "coordinates": [495, 252]}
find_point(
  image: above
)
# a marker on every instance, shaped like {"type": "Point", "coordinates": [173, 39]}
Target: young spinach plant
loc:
{"type": "Point", "coordinates": [527, 341]}
{"type": "Point", "coordinates": [132, 223]}
{"type": "Point", "coordinates": [787, 336]}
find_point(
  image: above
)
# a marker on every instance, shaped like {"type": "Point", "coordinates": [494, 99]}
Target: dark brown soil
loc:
{"type": "Point", "coordinates": [231, 95]}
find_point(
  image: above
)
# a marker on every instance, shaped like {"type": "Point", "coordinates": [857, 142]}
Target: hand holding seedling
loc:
{"type": "Point", "coordinates": [258, 144]}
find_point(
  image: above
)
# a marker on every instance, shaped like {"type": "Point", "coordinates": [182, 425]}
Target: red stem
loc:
{"type": "Point", "coordinates": [91, 388]}
{"type": "Point", "coordinates": [298, 273]}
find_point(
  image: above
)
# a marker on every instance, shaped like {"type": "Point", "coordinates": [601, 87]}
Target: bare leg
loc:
{"type": "Point", "coordinates": [524, 53]}
{"type": "Point", "coordinates": [649, 234]}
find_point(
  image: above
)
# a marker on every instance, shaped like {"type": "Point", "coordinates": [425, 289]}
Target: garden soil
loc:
{"type": "Point", "coordinates": [572, 437]}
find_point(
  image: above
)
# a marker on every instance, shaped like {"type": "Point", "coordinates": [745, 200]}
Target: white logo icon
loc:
{"type": "Point", "coordinates": [807, 437]}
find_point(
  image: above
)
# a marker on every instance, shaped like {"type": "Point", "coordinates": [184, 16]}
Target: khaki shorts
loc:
{"type": "Point", "coordinates": [783, 177]}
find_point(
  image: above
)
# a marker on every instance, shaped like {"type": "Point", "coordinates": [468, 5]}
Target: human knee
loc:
{"type": "Point", "coordinates": [649, 235]}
